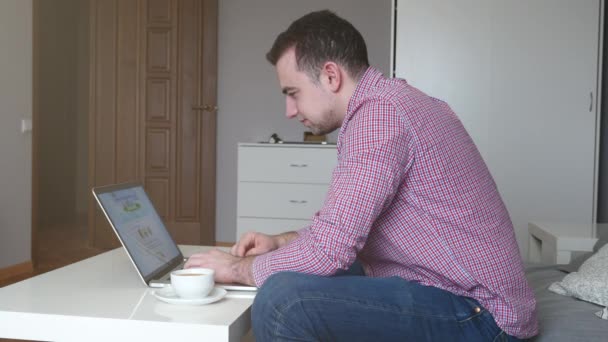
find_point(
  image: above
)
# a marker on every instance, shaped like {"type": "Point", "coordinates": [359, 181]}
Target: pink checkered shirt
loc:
{"type": "Point", "coordinates": [412, 197]}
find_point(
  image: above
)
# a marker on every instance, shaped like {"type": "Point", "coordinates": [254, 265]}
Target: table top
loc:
{"type": "Point", "coordinates": [103, 298]}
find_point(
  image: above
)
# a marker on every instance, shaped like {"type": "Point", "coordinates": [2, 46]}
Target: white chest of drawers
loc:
{"type": "Point", "coordinates": [281, 186]}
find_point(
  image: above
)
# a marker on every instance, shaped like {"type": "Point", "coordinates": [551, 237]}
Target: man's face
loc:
{"type": "Point", "coordinates": [312, 103]}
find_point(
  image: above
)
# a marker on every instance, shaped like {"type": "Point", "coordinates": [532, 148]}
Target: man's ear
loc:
{"type": "Point", "coordinates": [331, 75]}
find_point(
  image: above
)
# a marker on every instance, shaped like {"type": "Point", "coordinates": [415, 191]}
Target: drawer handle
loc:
{"type": "Point", "coordinates": [298, 201]}
{"type": "Point", "coordinates": [298, 165]}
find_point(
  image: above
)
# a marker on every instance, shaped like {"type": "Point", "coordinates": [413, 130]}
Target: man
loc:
{"type": "Point", "coordinates": [413, 241]}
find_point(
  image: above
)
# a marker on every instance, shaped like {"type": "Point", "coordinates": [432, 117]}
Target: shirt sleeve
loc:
{"type": "Point", "coordinates": [374, 158]}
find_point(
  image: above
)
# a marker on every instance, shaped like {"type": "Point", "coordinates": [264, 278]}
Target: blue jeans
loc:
{"type": "Point", "coordinates": [299, 307]}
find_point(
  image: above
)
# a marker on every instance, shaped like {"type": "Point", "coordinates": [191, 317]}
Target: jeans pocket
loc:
{"type": "Point", "coordinates": [469, 309]}
{"type": "Point", "coordinates": [484, 322]}
{"type": "Point", "coordinates": [501, 337]}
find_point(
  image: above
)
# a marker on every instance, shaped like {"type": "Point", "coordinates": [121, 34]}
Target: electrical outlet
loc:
{"type": "Point", "coordinates": [26, 125]}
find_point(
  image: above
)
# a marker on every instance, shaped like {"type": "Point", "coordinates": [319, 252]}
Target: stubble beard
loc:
{"type": "Point", "coordinates": [326, 126]}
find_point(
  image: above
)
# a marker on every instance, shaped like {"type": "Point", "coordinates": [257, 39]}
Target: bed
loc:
{"type": "Point", "coordinates": [563, 318]}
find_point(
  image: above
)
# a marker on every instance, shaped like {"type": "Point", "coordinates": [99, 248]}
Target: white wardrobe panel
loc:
{"type": "Point", "coordinates": [523, 78]}
{"type": "Point", "coordinates": [443, 48]}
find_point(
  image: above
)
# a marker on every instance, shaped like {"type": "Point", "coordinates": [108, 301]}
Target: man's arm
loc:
{"type": "Point", "coordinates": [243, 271]}
{"type": "Point", "coordinates": [228, 268]}
{"type": "Point", "coordinates": [254, 243]}
{"type": "Point", "coordinates": [231, 268]}
{"type": "Point", "coordinates": [285, 238]}
{"type": "Point", "coordinates": [374, 162]}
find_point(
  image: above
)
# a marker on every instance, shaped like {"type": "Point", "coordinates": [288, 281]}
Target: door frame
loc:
{"type": "Point", "coordinates": [35, 135]}
{"type": "Point", "coordinates": [209, 141]}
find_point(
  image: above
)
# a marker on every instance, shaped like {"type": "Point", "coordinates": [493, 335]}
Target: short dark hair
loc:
{"type": "Point", "coordinates": [319, 37]}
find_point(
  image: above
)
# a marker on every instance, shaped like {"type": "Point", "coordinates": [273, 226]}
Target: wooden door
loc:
{"type": "Point", "coordinates": [153, 117]}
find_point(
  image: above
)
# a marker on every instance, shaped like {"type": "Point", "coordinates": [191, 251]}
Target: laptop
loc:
{"type": "Point", "coordinates": [142, 233]}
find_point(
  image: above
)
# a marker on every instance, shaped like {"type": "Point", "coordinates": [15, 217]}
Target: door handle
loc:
{"type": "Point", "coordinates": [298, 201]}
{"type": "Point", "coordinates": [205, 108]}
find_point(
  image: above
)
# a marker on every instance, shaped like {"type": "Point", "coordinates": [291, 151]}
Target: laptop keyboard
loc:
{"type": "Point", "coordinates": [167, 276]}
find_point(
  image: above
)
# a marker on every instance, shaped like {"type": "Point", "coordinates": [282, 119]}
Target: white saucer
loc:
{"type": "Point", "coordinates": [168, 295]}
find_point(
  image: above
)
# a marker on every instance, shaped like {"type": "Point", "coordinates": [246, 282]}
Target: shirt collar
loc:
{"type": "Point", "coordinates": [368, 81]}
{"type": "Point", "coordinates": [366, 84]}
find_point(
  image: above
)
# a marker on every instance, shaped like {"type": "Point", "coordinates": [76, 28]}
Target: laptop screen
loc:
{"type": "Point", "coordinates": [140, 229]}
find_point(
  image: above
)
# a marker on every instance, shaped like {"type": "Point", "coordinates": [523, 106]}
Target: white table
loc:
{"type": "Point", "coordinates": [103, 299]}
{"type": "Point", "coordinates": [555, 242]}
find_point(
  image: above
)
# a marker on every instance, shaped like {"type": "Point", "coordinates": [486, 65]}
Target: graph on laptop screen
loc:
{"type": "Point", "coordinates": [140, 228]}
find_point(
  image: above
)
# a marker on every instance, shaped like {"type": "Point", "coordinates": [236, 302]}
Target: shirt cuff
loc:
{"type": "Point", "coordinates": [262, 264]}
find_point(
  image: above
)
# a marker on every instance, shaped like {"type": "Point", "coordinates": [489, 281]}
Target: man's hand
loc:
{"type": "Point", "coordinates": [253, 243]}
{"type": "Point", "coordinates": [228, 268]}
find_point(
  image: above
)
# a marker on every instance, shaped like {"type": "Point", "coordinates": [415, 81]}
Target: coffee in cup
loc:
{"type": "Point", "coordinates": [193, 282]}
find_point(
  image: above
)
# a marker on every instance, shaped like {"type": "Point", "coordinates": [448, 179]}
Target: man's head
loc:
{"type": "Point", "coordinates": [319, 60]}
{"type": "Point", "coordinates": [319, 37]}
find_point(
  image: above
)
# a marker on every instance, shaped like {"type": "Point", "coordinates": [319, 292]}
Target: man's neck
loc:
{"type": "Point", "coordinates": [345, 95]}
{"type": "Point", "coordinates": [347, 92]}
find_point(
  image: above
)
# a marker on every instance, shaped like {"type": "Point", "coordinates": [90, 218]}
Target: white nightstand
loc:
{"type": "Point", "coordinates": [554, 243]}
{"type": "Point", "coordinates": [281, 186]}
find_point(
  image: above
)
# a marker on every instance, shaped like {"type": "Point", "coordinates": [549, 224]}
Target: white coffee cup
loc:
{"type": "Point", "coordinates": [193, 282]}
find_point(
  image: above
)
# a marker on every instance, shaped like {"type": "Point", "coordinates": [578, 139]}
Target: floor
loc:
{"type": "Point", "coordinates": [58, 246]}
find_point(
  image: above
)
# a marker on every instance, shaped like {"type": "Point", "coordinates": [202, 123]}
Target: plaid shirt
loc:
{"type": "Point", "coordinates": [412, 197]}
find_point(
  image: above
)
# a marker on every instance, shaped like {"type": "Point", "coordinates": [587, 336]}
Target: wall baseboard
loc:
{"type": "Point", "coordinates": [224, 244]}
{"type": "Point", "coordinates": [16, 270]}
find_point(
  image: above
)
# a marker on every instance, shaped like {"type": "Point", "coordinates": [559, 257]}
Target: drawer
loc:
{"type": "Point", "coordinates": [268, 226]}
{"type": "Point", "coordinates": [286, 164]}
{"type": "Point", "coordinates": [280, 200]}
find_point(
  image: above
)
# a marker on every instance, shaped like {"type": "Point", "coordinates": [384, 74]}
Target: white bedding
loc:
{"type": "Point", "coordinates": [563, 319]}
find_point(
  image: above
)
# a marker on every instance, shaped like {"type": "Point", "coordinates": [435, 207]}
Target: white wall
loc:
{"type": "Point", "coordinates": [15, 148]}
{"type": "Point", "coordinates": [251, 106]}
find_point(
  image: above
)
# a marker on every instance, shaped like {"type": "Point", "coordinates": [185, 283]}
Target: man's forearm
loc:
{"type": "Point", "coordinates": [243, 271]}
{"type": "Point", "coordinates": [285, 238]}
